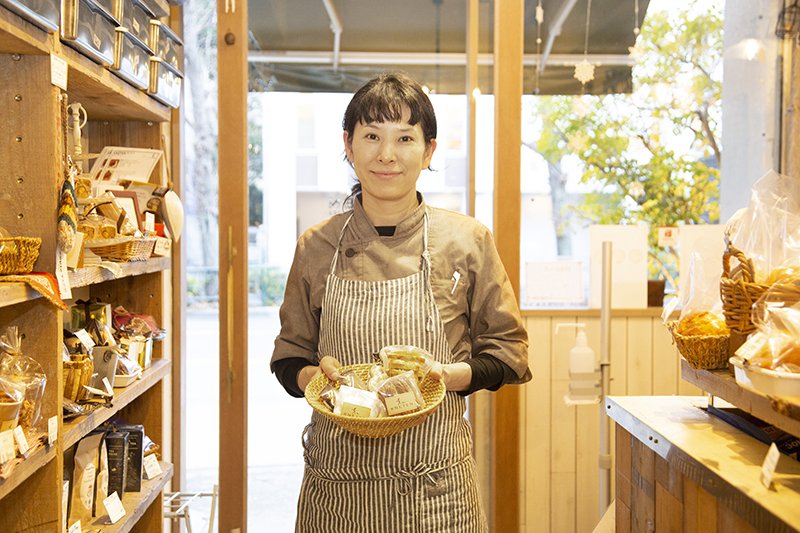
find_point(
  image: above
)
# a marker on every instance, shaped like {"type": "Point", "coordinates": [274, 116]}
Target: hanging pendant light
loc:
{"type": "Point", "coordinates": [788, 22]}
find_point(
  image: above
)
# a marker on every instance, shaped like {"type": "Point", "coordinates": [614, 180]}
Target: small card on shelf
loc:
{"type": "Point", "coordinates": [114, 508]}
{"type": "Point", "coordinates": [152, 469]}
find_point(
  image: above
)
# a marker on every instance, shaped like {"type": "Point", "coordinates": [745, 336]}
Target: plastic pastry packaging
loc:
{"type": "Point", "coordinates": [351, 401]}
{"type": "Point", "coordinates": [397, 359]}
{"type": "Point", "coordinates": [400, 394]}
{"type": "Point", "coordinates": [776, 342]}
{"type": "Point", "coordinates": [701, 306]}
{"type": "Point", "coordinates": [21, 377]}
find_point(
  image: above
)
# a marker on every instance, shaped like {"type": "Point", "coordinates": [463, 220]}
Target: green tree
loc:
{"type": "Point", "coordinates": [651, 156]}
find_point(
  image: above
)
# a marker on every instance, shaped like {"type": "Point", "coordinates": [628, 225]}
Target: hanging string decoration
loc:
{"type": "Point", "coordinates": [539, 21]}
{"type": "Point", "coordinates": [584, 71]}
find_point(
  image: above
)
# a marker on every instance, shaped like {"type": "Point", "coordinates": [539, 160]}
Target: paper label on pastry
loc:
{"type": "Point", "coordinates": [351, 409]}
{"type": "Point", "coordinates": [85, 339]}
{"type": "Point", "coordinates": [22, 442]}
{"type": "Point", "coordinates": [7, 450]}
{"type": "Point", "coordinates": [401, 403]}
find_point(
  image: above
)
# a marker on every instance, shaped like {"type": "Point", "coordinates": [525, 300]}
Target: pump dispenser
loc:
{"type": "Point", "coordinates": [584, 376]}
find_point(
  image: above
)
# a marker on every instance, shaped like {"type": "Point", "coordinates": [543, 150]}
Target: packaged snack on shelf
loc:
{"type": "Point", "coordinates": [23, 373]}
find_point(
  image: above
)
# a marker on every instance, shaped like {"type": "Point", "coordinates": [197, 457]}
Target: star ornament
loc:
{"type": "Point", "coordinates": [584, 72]}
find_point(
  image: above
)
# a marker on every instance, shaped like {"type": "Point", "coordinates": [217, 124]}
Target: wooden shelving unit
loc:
{"type": "Point", "coordinates": [722, 384]}
{"type": "Point", "coordinates": [32, 151]}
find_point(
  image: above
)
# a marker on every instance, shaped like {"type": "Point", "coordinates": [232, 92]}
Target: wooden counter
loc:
{"type": "Point", "coordinates": [680, 469]}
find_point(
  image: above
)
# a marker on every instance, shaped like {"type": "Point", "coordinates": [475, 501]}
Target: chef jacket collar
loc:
{"type": "Point", "coordinates": [365, 230]}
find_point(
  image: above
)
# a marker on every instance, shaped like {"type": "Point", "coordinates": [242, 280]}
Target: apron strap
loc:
{"type": "Point", "coordinates": [339, 243]}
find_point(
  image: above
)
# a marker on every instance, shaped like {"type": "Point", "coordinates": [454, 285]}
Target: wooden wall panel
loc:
{"type": "Point", "coordinates": [536, 436]}
{"type": "Point", "coordinates": [560, 444]}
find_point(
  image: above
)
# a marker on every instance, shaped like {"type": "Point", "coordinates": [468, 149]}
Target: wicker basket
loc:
{"type": "Point", "coordinates": [77, 373]}
{"type": "Point", "coordinates": [18, 254]}
{"type": "Point", "coordinates": [122, 249]}
{"type": "Point", "coordinates": [740, 291]}
{"type": "Point", "coordinates": [433, 392]}
{"type": "Point", "coordinates": [707, 352]}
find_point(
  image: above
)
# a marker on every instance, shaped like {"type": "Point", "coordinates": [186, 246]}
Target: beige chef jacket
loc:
{"type": "Point", "coordinates": [475, 299]}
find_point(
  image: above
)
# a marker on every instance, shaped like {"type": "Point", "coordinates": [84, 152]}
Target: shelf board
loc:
{"type": "Point", "coordinates": [87, 276]}
{"type": "Point", "coordinates": [17, 292]}
{"type": "Point", "coordinates": [76, 429]}
{"type": "Point", "coordinates": [722, 384]}
{"type": "Point", "coordinates": [18, 36]}
{"type": "Point", "coordinates": [26, 468]}
{"type": "Point", "coordinates": [136, 503]}
{"type": "Point", "coordinates": [104, 95]}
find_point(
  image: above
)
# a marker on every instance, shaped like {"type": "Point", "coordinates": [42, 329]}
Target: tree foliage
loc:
{"type": "Point", "coordinates": [651, 156]}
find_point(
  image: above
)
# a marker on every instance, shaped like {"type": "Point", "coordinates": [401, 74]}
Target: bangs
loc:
{"type": "Point", "coordinates": [385, 106]}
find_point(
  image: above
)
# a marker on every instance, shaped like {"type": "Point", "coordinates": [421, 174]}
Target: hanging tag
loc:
{"type": "Point", "coordinates": [114, 508]}
{"type": "Point", "coordinates": [75, 528]}
{"type": "Point", "coordinates": [152, 469]}
{"type": "Point", "coordinates": [62, 276]}
{"type": "Point", "coordinates": [163, 247]}
{"type": "Point", "coordinates": [58, 71]}
{"type": "Point", "coordinates": [22, 442]}
{"type": "Point", "coordinates": [769, 465]}
{"type": "Point", "coordinates": [7, 450]}
{"type": "Point", "coordinates": [52, 430]}
{"type": "Point", "coordinates": [85, 339]}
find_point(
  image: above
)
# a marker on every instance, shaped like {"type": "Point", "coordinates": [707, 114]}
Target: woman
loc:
{"type": "Point", "coordinates": [394, 270]}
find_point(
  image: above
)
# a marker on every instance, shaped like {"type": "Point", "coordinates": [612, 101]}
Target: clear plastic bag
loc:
{"type": "Point", "coordinates": [401, 395]}
{"type": "Point", "coordinates": [767, 231]}
{"type": "Point", "coordinates": [24, 374]}
{"type": "Point", "coordinates": [701, 309]}
{"type": "Point", "coordinates": [776, 342]}
{"type": "Point", "coordinates": [397, 359]}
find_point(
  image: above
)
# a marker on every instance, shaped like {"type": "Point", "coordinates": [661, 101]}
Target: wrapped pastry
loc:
{"type": "Point", "coordinates": [351, 401]}
{"type": "Point", "coordinates": [400, 394]}
{"type": "Point", "coordinates": [377, 375]}
{"type": "Point", "coordinates": [397, 359]}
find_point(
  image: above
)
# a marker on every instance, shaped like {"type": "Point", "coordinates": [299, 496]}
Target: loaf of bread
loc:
{"type": "Point", "coordinates": [702, 323]}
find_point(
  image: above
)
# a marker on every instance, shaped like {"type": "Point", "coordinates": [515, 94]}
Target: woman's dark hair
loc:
{"type": "Point", "coordinates": [383, 99]}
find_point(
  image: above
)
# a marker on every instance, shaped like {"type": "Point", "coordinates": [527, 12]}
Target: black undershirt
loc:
{"type": "Point", "coordinates": [487, 372]}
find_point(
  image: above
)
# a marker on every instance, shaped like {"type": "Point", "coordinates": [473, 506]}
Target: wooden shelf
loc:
{"type": "Point", "coordinates": [102, 93]}
{"type": "Point", "coordinates": [722, 384]}
{"type": "Point", "coordinates": [21, 37]}
{"type": "Point", "coordinates": [26, 468]}
{"type": "Point", "coordinates": [136, 503]}
{"type": "Point", "coordinates": [88, 276]}
{"type": "Point", "coordinates": [76, 429]}
{"type": "Point", "coordinates": [14, 293]}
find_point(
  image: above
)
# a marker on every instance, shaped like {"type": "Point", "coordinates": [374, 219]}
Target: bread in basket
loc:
{"type": "Point", "coordinates": [433, 392]}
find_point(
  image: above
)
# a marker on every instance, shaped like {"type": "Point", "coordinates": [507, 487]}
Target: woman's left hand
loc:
{"type": "Point", "coordinates": [456, 376]}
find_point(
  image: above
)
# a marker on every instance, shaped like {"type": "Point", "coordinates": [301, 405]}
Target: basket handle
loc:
{"type": "Point", "coordinates": [746, 264]}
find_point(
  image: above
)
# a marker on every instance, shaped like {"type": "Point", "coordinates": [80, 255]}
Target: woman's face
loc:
{"type": "Point", "coordinates": [388, 158]}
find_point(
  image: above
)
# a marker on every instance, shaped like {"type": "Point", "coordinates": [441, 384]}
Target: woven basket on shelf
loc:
{"type": "Point", "coordinates": [433, 392]}
{"type": "Point", "coordinates": [122, 248]}
{"type": "Point", "coordinates": [707, 352]}
{"type": "Point", "coordinates": [77, 373]}
{"type": "Point", "coordinates": [18, 254]}
{"type": "Point", "coordinates": [739, 291]}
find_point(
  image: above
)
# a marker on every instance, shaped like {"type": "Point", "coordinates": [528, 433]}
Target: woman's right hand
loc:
{"type": "Point", "coordinates": [327, 365]}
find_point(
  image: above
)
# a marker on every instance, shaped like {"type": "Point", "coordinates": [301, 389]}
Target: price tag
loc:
{"type": "Point", "coordinates": [58, 71]}
{"type": "Point", "coordinates": [22, 442]}
{"type": "Point", "coordinates": [769, 465]}
{"type": "Point", "coordinates": [108, 386]}
{"type": "Point", "coordinates": [114, 508]}
{"type": "Point", "coordinates": [163, 246]}
{"type": "Point", "coordinates": [7, 450]}
{"type": "Point", "coordinates": [85, 339]}
{"type": "Point", "coordinates": [75, 528]}
{"type": "Point", "coordinates": [152, 469]}
{"type": "Point", "coordinates": [62, 276]}
{"type": "Point", "coordinates": [149, 221]}
{"type": "Point", "coordinates": [52, 430]}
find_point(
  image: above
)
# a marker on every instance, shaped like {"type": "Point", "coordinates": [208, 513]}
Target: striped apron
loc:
{"type": "Point", "coordinates": [422, 479]}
